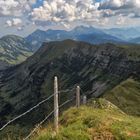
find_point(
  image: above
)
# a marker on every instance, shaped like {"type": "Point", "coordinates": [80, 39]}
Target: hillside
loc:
{"type": "Point", "coordinates": [99, 120]}
{"type": "Point", "coordinates": [135, 40]}
{"type": "Point", "coordinates": [96, 68]}
{"type": "Point", "coordinates": [14, 49]}
{"type": "Point", "coordinates": [126, 96]}
{"type": "Point", "coordinates": [124, 33]}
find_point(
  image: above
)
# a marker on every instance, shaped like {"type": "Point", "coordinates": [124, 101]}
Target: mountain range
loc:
{"type": "Point", "coordinates": [81, 33]}
{"type": "Point", "coordinates": [15, 49]}
{"type": "Point", "coordinates": [98, 69]}
{"type": "Point", "coordinates": [124, 33]}
{"type": "Point", "coordinates": [136, 40]}
{"type": "Point", "coordinates": [87, 34]}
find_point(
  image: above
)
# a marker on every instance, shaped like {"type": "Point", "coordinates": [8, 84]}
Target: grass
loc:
{"type": "Point", "coordinates": [16, 60]}
{"type": "Point", "coordinates": [126, 96]}
{"type": "Point", "coordinates": [14, 49]}
{"type": "Point", "coordinates": [98, 120]}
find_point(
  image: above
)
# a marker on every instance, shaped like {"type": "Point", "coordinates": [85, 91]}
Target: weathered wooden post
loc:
{"type": "Point", "coordinates": [77, 96]}
{"type": "Point", "coordinates": [56, 105]}
{"type": "Point", "coordinates": [84, 99]}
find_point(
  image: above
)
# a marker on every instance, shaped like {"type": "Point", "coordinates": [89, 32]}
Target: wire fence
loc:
{"type": "Point", "coordinates": [51, 113]}
{"type": "Point", "coordinates": [54, 111]}
{"type": "Point", "coordinates": [34, 107]}
{"type": "Point", "coordinates": [66, 91]}
{"type": "Point", "coordinates": [28, 111]}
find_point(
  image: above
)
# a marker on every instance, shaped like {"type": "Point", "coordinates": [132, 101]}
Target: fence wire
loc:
{"type": "Point", "coordinates": [67, 90]}
{"type": "Point", "coordinates": [23, 114]}
{"type": "Point", "coordinates": [34, 107]}
{"type": "Point", "coordinates": [34, 130]}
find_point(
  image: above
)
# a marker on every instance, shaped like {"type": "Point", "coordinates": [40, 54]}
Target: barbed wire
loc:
{"type": "Point", "coordinates": [33, 131]}
{"type": "Point", "coordinates": [23, 114]}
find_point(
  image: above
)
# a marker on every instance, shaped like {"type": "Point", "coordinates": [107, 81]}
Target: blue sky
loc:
{"type": "Point", "coordinates": [38, 3]}
{"type": "Point", "coordinates": [22, 17]}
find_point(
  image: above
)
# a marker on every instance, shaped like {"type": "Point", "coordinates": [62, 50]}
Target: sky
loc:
{"type": "Point", "coordinates": [21, 17]}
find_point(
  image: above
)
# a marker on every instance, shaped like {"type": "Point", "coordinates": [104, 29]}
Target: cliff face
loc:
{"type": "Point", "coordinates": [95, 68]}
{"type": "Point", "coordinates": [3, 65]}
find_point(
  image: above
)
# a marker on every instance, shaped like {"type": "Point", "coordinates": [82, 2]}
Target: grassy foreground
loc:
{"type": "Point", "coordinates": [100, 120]}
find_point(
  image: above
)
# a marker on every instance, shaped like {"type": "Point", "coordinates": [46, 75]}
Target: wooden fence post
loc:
{"type": "Point", "coordinates": [56, 105]}
{"type": "Point", "coordinates": [84, 99]}
{"type": "Point", "coordinates": [77, 96]}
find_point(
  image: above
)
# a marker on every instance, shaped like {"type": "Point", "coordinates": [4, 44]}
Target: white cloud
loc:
{"type": "Point", "coordinates": [111, 4]}
{"type": "Point", "coordinates": [119, 4]}
{"type": "Point", "coordinates": [68, 13]}
{"type": "Point", "coordinates": [20, 28]}
{"type": "Point", "coordinates": [104, 21]}
{"type": "Point", "coordinates": [9, 23]}
{"type": "Point", "coordinates": [65, 11]}
{"type": "Point", "coordinates": [14, 22]}
{"type": "Point", "coordinates": [125, 7]}
{"type": "Point", "coordinates": [15, 7]}
{"type": "Point", "coordinates": [120, 20]}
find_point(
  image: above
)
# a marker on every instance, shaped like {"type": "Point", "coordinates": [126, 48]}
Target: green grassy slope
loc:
{"type": "Point", "coordinates": [14, 49]}
{"type": "Point", "coordinates": [102, 121]}
{"type": "Point", "coordinates": [126, 96]}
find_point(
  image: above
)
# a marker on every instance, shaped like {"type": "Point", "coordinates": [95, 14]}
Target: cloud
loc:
{"type": "Point", "coordinates": [120, 20]}
{"type": "Point", "coordinates": [125, 7]}
{"type": "Point", "coordinates": [69, 13]}
{"type": "Point", "coordinates": [111, 4]}
{"type": "Point", "coordinates": [14, 22]}
{"type": "Point", "coordinates": [20, 28]}
{"type": "Point", "coordinates": [119, 4]}
{"type": "Point", "coordinates": [15, 7]}
{"type": "Point", "coordinates": [66, 11]}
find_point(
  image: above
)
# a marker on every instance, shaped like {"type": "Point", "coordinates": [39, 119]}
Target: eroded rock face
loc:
{"type": "Point", "coordinates": [95, 68]}
{"type": "Point", "coordinates": [4, 65]}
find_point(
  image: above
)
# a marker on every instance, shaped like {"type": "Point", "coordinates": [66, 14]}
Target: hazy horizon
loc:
{"type": "Point", "coordinates": [32, 31]}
